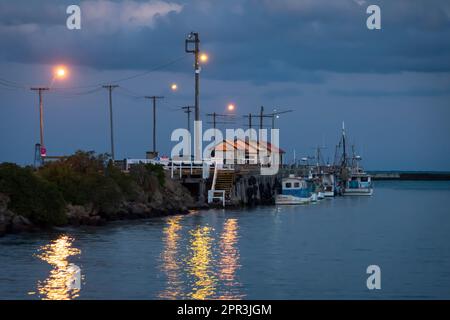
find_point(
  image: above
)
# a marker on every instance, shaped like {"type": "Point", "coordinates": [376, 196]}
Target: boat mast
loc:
{"type": "Point", "coordinates": [344, 151]}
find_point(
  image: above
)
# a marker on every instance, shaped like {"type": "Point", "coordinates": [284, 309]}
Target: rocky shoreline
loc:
{"type": "Point", "coordinates": [172, 199]}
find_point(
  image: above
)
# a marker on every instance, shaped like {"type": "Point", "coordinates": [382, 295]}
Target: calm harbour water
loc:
{"type": "Point", "coordinates": [292, 252]}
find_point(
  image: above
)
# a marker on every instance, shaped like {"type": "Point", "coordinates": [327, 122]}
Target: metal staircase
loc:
{"type": "Point", "coordinates": [225, 180]}
{"type": "Point", "coordinates": [222, 185]}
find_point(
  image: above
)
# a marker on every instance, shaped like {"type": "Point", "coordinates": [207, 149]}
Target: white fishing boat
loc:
{"type": "Point", "coordinates": [358, 184]}
{"type": "Point", "coordinates": [314, 189]}
{"type": "Point", "coordinates": [294, 191]}
{"type": "Point", "coordinates": [354, 180]}
{"type": "Point", "coordinates": [328, 183]}
{"type": "Point", "coordinates": [320, 195]}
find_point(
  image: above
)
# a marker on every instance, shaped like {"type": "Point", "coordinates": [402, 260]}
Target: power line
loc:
{"type": "Point", "coordinates": [18, 85]}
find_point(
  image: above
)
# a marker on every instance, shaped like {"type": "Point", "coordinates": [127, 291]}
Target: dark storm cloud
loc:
{"type": "Point", "coordinates": [261, 41]}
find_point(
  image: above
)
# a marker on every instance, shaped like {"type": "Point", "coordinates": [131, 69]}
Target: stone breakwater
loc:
{"type": "Point", "coordinates": [170, 199]}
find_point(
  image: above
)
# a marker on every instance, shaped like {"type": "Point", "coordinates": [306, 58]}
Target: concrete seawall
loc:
{"type": "Point", "coordinates": [414, 175]}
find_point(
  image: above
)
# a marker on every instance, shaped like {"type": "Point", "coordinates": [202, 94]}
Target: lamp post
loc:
{"type": "Point", "coordinates": [42, 150]}
{"type": "Point", "coordinates": [60, 72]}
{"type": "Point", "coordinates": [192, 45]}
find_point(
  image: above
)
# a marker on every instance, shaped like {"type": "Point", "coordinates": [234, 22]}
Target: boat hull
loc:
{"type": "Point", "coordinates": [329, 194]}
{"type": "Point", "coordinates": [282, 199]}
{"type": "Point", "coordinates": [358, 192]}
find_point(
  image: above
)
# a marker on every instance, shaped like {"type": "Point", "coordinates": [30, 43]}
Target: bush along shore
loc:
{"type": "Point", "coordinates": [85, 189]}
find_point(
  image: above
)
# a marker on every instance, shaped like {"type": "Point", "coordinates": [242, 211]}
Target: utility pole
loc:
{"type": "Point", "coordinates": [110, 89]}
{"type": "Point", "coordinates": [41, 112]}
{"type": "Point", "coordinates": [154, 98]}
{"type": "Point", "coordinates": [188, 110]}
{"type": "Point", "coordinates": [261, 115]}
{"type": "Point", "coordinates": [42, 150]}
{"type": "Point", "coordinates": [193, 38]}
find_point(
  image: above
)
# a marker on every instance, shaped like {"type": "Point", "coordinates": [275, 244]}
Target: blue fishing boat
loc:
{"type": "Point", "coordinates": [294, 191]}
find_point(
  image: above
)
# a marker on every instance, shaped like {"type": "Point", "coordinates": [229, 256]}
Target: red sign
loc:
{"type": "Point", "coordinates": [43, 152]}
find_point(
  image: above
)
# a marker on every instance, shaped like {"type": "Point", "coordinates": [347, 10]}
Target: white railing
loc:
{"type": "Point", "coordinates": [130, 162]}
{"type": "Point", "coordinates": [216, 194]}
{"type": "Point", "coordinates": [189, 165]}
{"type": "Point", "coordinates": [213, 186]}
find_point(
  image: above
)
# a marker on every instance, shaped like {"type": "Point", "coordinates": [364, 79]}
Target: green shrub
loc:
{"type": "Point", "coordinates": [143, 174]}
{"type": "Point", "coordinates": [83, 179]}
{"type": "Point", "coordinates": [32, 196]}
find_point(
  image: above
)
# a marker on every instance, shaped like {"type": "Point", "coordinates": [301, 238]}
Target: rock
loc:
{"type": "Point", "coordinates": [81, 214]}
{"type": "Point", "coordinates": [176, 197]}
{"type": "Point", "coordinates": [94, 221]}
{"type": "Point", "coordinates": [20, 224]}
{"type": "Point", "coordinates": [139, 210]}
{"type": "Point", "coordinates": [74, 211]}
{"type": "Point", "coordinates": [4, 200]}
{"type": "Point", "coordinates": [6, 217]}
{"type": "Point", "coordinates": [3, 225]}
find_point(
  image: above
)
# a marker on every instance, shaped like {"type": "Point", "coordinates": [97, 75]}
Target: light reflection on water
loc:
{"type": "Point", "coordinates": [170, 264]}
{"type": "Point", "coordinates": [200, 264]}
{"type": "Point", "coordinates": [259, 253]}
{"type": "Point", "coordinates": [229, 260]}
{"type": "Point", "coordinates": [58, 285]}
{"type": "Point", "coordinates": [206, 267]}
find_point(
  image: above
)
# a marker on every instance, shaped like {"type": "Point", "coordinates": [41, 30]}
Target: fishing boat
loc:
{"type": "Point", "coordinates": [294, 191]}
{"type": "Point", "coordinates": [328, 183]}
{"type": "Point", "coordinates": [359, 183]}
{"type": "Point", "coordinates": [354, 181]}
{"type": "Point", "coordinates": [314, 189]}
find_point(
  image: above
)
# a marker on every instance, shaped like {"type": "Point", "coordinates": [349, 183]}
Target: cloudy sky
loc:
{"type": "Point", "coordinates": [317, 57]}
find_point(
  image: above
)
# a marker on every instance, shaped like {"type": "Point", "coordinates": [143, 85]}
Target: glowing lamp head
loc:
{"type": "Point", "coordinates": [174, 87]}
{"type": "Point", "coordinates": [204, 58]}
{"type": "Point", "coordinates": [60, 72]}
{"type": "Point", "coordinates": [231, 107]}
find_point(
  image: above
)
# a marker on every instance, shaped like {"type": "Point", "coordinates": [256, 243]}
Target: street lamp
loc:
{"type": "Point", "coordinates": [276, 115]}
{"type": "Point", "coordinates": [192, 45]}
{"type": "Point", "coordinates": [204, 58]}
{"type": "Point", "coordinates": [174, 87]}
{"type": "Point", "coordinates": [60, 72]}
{"type": "Point", "coordinates": [231, 107]}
